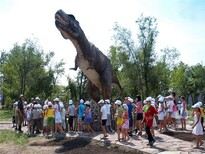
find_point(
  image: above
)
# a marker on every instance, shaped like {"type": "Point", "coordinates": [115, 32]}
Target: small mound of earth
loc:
{"type": "Point", "coordinates": [41, 145]}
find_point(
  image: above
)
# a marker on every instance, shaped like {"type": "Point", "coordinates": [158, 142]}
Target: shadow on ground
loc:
{"type": "Point", "coordinates": [186, 136]}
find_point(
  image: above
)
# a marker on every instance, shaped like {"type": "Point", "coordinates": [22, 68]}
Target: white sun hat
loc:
{"type": "Point", "coordinates": [70, 102]}
{"type": "Point", "coordinates": [118, 102]}
{"type": "Point", "coordinates": [50, 104]}
{"type": "Point", "coordinates": [125, 106]}
{"type": "Point", "coordinates": [108, 101]}
{"type": "Point", "coordinates": [149, 99]}
{"type": "Point", "coordinates": [101, 101]}
{"type": "Point", "coordinates": [81, 101]}
{"type": "Point", "coordinates": [196, 106]}
{"type": "Point", "coordinates": [87, 103]}
{"type": "Point", "coordinates": [161, 99]}
{"type": "Point", "coordinates": [199, 103]}
{"type": "Point", "coordinates": [130, 99]}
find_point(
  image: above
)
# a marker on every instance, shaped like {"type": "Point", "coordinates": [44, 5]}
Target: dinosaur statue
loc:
{"type": "Point", "coordinates": [93, 63]}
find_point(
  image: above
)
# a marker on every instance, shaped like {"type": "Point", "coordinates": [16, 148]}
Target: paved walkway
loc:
{"type": "Point", "coordinates": [164, 144]}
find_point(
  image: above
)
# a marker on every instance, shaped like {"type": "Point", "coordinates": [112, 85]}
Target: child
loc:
{"type": "Point", "coordinates": [58, 118]}
{"type": "Point", "coordinates": [71, 113]}
{"type": "Point", "coordinates": [149, 112]}
{"type": "Point", "coordinates": [35, 114]}
{"type": "Point", "coordinates": [29, 118]}
{"type": "Point", "coordinates": [118, 116]}
{"type": "Point", "coordinates": [125, 125]}
{"type": "Point", "coordinates": [63, 113]}
{"type": "Point", "coordinates": [50, 119]}
{"type": "Point", "coordinates": [103, 117]}
{"type": "Point", "coordinates": [44, 118]}
{"type": "Point", "coordinates": [197, 127]}
{"type": "Point", "coordinates": [88, 117]}
{"type": "Point", "coordinates": [161, 115]}
{"type": "Point", "coordinates": [202, 114]}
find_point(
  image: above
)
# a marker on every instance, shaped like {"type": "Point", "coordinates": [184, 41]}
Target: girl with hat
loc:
{"type": "Point", "coordinates": [197, 127]}
{"type": "Point", "coordinates": [125, 125]}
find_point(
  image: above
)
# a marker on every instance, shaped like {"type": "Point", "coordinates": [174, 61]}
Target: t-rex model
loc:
{"type": "Point", "coordinates": [94, 64]}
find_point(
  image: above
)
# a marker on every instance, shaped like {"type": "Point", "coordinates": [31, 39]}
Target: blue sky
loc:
{"type": "Point", "coordinates": [181, 24]}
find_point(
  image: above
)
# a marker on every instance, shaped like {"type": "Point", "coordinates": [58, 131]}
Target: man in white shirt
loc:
{"type": "Point", "coordinates": [103, 117]}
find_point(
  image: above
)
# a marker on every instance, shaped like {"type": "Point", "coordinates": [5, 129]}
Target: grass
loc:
{"type": "Point", "coordinates": [6, 115]}
{"type": "Point", "coordinates": [9, 136]}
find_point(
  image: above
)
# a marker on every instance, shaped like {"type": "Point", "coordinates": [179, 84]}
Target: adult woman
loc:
{"type": "Point", "coordinates": [183, 113]}
{"type": "Point", "coordinates": [139, 113]}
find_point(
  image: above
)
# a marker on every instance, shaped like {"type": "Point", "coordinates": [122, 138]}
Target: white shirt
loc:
{"type": "Point", "coordinates": [171, 104]}
{"type": "Point", "coordinates": [103, 110]}
{"type": "Point", "coordinates": [57, 112]}
{"type": "Point", "coordinates": [63, 113]}
{"type": "Point", "coordinates": [108, 108]}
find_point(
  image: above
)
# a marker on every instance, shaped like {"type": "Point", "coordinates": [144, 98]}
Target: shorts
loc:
{"type": "Point", "coordinates": [104, 122]}
{"type": "Point", "coordinates": [80, 120]}
{"type": "Point", "coordinates": [130, 122]}
{"type": "Point", "coordinates": [169, 113]}
{"type": "Point", "coordinates": [139, 116]}
{"type": "Point", "coordinates": [108, 122]}
{"type": "Point", "coordinates": [45, 122]}
{"type": "Point", "coordinates": [50, 121]}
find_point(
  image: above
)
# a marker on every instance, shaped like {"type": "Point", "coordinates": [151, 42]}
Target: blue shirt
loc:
{"type": "Point", "coordinates": [130, 107]}
{"type": "Point", "coordinates": [81, 109]}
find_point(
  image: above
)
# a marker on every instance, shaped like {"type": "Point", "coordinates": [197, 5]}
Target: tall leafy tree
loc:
{"type": "Point", "coordinates": [25, 71]}
{"type": "Point", "coordinates": [147, 35]}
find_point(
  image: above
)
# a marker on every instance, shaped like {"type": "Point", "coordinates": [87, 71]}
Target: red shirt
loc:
{"type": "Point", "coordinates": [149, 115]}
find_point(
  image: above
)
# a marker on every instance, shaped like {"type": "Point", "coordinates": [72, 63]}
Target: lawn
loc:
{"type": "Point", "coordinates": [9, 136]}
{"type": "Point", "coordinates": [6, 115]}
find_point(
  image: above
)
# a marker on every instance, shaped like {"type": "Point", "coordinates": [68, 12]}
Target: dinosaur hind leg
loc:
{"type": "Point", "coordinates": [94, 91]}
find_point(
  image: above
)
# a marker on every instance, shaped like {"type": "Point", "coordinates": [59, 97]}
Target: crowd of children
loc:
{"type": "Point", "coordinates": [129, 116]}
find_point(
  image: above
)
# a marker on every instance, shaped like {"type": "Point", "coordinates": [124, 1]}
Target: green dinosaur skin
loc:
{"type": "Point", "coordinates": [94, 64]}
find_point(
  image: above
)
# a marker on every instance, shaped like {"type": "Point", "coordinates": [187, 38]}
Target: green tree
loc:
{"type": "Point", "coordinates": [25, 70]}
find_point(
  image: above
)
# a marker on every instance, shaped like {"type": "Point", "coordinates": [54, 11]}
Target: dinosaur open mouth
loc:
{"type": "Point", "coordinates": [61, 19]}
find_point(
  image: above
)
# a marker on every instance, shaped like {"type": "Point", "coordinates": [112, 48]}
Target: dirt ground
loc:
{"type": "Point", "coordinates": [39, 145]}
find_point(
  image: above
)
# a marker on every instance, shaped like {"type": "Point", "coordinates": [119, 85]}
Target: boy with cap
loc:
{"type": "Point", "coordinates": [108, 122]}
{"type": "Point", "coordinates": [71, 113]}
{"type": "Point", "coordinates": [103, 117]}
{"type": "Point", "coordinates": [149, 112]}
{"type": "Point", "coordinates": [80, 110]}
